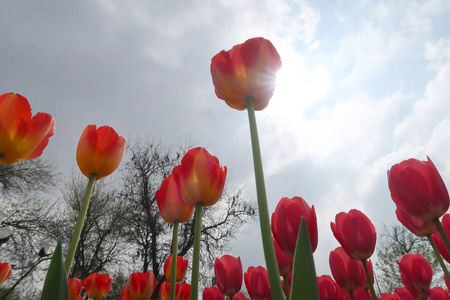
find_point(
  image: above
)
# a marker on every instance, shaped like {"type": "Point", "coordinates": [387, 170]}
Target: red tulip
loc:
{"type": "Point", "coordinates": [346, 271]}
{"type": "Point", "coordinates": [327, 287]}
{"type": "Point", "coordinates": [416, 270]}
{"type": "Point", "coordinates": [22, 136]}
{"type": "Point", "coordinates": [182, 291]}
{"type": "Point", "coordinates": [239, 296]}
{"type": "Point", "coordinates": [418, 189]}
{"type": "Point", "coordinates": [416, 226]}
{"type": "Point", "coordinates": [404, 294]}
{"type": "Point", "coordinates": [228, 271]}
{"type": "Point", "coordinates": [213, 293]}
{"type": "Point", "coordinates": [97, 285]}
{"type": "Point", "coordinates": [5, 271]}
{"type": "Point", "coordinates": [200, 177]}
{"type": "Point", "coordinates": [386, 296]}
{"type": "Point", "coordinates": [286, 223]}
{"type": "Point", "coordinates": [361, 294]}
{"type": "Point", "coordinates": [445, 222]}
{"type": "Point", "coordinates": [285, 263]}
{"type": "Point", "coordinates": [257, 283]}
{"type": "Point", "coordinates": [342, 294]}
{"type": "Point", "coordinates": [247, 70]}
{"type": "Point", "coordinates": [171, 204]}
{"type": "Point", "coordinates": [125, 294]}
{"type": "Point", "coordinates": [182, 266]}
{"type": "Point", "coordinates": [355, 233]}
{"type": "Point", "coordinates": [438, 293]}
{"type": "Point", "coordinates": [100, 151]}
{"type": "Point", "coordinates": [75, 286]}
{"type": "Point", "coordinates": [141, 285]}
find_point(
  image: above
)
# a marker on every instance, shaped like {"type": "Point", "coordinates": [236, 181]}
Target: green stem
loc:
{"type": "Point", "coordinates": [79, 226]}
{"type": "Point", "coordinates": [369, 279]}
{"type": "Point", "coordinates": [264, 219]}
{"type": "Point", "coordinates": [196, 254]}
{"type": "Point", "coordinates": [173, 275]}
{"type": "Point", "coordinates": [442, 233]}
{"type": "Point", "coordinates": [286, 285]}
{"type": "Point", "coordinates": [439, 257]}
{"type": "Point", "coordinates": [424, 294]}
{"type": "Point", "coordinates": [1, 156]}
{"type": "Point", "coordinates": [351, 295]}
{"type": "Point", "coordinates": [368, 295]}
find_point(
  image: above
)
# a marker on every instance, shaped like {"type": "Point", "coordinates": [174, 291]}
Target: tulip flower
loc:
{"type": "Point", "coordinates": [438, 239]}
{"type": "Point", "coordinates": [327, 287]}
{"type": "Point", "coordinates": [125, 294]}
{"type": "Point", "coordinates": [182, 291]}
{"type": "Point", "coordinates": [438, 293]}
{"type": "Point", "coordinates": [418, 189]}
{"type": "Point", "coordinates": [285, 263]}
{"type": "Point", "coordinates": [416, 226]}
{"type": "Point", "coordinates": [22, 136]}
{"type": "Point", "coordinates": [416, 272]}
{"type": "Point", "coordinates": [239, 296]}
{"type": "Point", "coordinates": [170, 203]}
{"type": "Point", "coordinates": [228, 271]}
{"type": "Point", "coordinates": [75, 286]}
{"type": "Point", "coordinates": [361, 294]}
{"type": "Point", "coordinates": [247, 70]}
{"type": "Point", "coordinates": [257, 283]}
{"type": "Point", "coordinates": [182, 266]}
{"type": "Point", "coordinates": [342, 294]}
{"type": "Point", "coordinates": [100, 151]}
{"type": "Point", "coordinates": [355, 233]}
{"type": "Point", "coordinates": [213, 293]}
{"type": "Point", "coordinates": [286, 223]}
{"type": "Point", "coordinates": [141, 285]}
{"type": "Point", "coordinates": [200, 177]}
{"type": "Point", "coordinates": [5, 271]}
{"type": "Point", "coordinates": [97, 285]}
{"type": "Point", "coordinates": [404, 293]}
{"type": "Point", "coordinates": [346, 271]}
{"type": "Point", "coordinates": [386, 296]}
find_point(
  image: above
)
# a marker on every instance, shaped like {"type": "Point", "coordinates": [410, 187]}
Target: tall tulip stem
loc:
{"type": "Point", "coordinates": [196, 255]}
{"type": "Point", "coordinates": [352, 297]}
{"type": "Point", "coordinates": [424, 295]}
{"type": "Point", "coordinates": [173, 278]}
{"type": "Point", "coordinates": [439, 257]}
{"type": "Point", "coordinates": [369, 279]}
{"type": "Point", "coordinates": [264, 219]}
{"type": "Point", "coordinates": [286, 285]}
{"type": "Point", "coordinates": [442, 233]}
{"type": "Point", "coordinates": [79, 226]}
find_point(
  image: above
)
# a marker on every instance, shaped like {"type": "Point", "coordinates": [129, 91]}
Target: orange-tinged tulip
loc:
{"type": "Point", "coordinates": [182, 266]}
{"type": "Point", "coordinates": [170, 203]}
{"type": "Point", "coordinates": [75, 286]}
{"type": "Point", "coordinates": [97, 285]}
{"type": "Point", "coordinates": [200, 177]}
{"type": "Point", "coordinates": [142, 285]}
{"type": "Point", "coordinates": [100, 151]}
{"type": "Point", "coordinates": [5, 271]}
{"type": "Point", "coordinates": [247, 70]}
{"type": "Point", "coordinates": [182, 291]}
{"type": "Point", "coordinates": [125, 294]}
{"type": "Point", "coordinates": [22, 136]}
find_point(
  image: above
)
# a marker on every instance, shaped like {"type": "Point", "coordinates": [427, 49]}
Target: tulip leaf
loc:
{"type": "Point", "coordinates": [56, 286]}
{"type": "Point", "coordinates": [304, 280]}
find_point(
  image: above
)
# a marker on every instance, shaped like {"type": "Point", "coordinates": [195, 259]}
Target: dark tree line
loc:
{"type": "Point", "coordinates": [123, 231]}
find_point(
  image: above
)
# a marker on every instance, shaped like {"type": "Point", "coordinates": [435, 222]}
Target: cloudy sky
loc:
{"type": "Point", "coordinates": [364, 85]}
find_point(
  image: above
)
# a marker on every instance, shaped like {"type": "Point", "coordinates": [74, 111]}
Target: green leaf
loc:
{"type": "Point", "coordinates": [304, 280]}
{"type": "Point", "coordinates": [56, 286]}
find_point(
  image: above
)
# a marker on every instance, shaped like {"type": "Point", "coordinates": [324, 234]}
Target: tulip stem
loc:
{"type": "Point", "coordinates": [424, 295]}
{"type": "Point", "coordinates": [196, 254]}
{"type": "Point", "coordinates": [79, 226]}
{"type": "Point", "coordinates": [173, 272]}
{"type": "Point", "coordinates": [439, 257]}
{"type": "Point", "coordinates": [286, 286]}
{"type": "Point", "coordinates": [264, 219]}
{"type": "Point", "coordinates": [442, 233]}
{"type": "Point", "coordinates": [351, 295]}
{"type": "Point", "coordinates": [369, 279]}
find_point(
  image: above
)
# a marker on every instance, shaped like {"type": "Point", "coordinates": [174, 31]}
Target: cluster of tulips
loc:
{"type": "Point", "coordinates": [244, 77]}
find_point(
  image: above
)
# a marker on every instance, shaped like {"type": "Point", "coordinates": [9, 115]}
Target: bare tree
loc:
{"type": "Point", "coordinates": [149, 235]}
